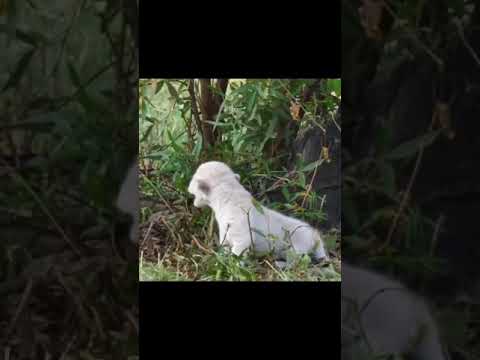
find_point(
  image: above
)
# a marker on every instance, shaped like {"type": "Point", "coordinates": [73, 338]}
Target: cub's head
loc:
{"type": "Point", "coordinates": [206, 178]}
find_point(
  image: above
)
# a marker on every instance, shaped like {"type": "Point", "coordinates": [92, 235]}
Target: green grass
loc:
{"type": "Point", "coordinates": [157, 272]}
{"type": "Point", "coordinates": [193, 264]}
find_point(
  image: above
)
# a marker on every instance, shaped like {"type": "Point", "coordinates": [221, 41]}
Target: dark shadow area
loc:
{"type": "Point", "coordinates": [410, 195]}
{"type": "Point", "coordinates": [68, 134]}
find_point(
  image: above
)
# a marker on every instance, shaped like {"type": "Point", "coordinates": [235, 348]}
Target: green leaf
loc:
{"type": "Point", "coordinates": [258, 232]}
{"type": "Point", "coordinates": [383, 213]}
{"type": "Point", "coordinates": [172, 90]}
{"type": "Point", "coordinates": [259, 118]}
{"type": "Point", "coordinates": [271, 131]}
{"type": "Point", "coordinates": [312, 165]}
{"type": "Point", "coordinates": [258, 206]}
{"type": "Point", "coordinates": [218, 124]}
{"type": "Point", "coordinates": [334, 85]}
{"type": "Point", "coordinates": [89, 103]}
{"type": "Point", "coordinates": [19, 70]}
{"type": "Point", "coordinates": [253, 112]}
{"type": "Point", "coordinates": [145, 135]}
{"type": "Point", "coordinates": [158, 86]}
{"type": "Point", "coordinates": [274, 237]}
{"type": "Point", "coordinates": [73, 74]}
{"type": "Point", "coordinates": [237, 141]}
{"type": "Point", "coordinates": [42, 122]}
{"type": "Point", "coordinates": [144, 108]}
{"type": "Point", "coordinates": [330, 242]}
{"type": "Point", "coordinates": [252, 102]}
{"type": "Point", "coordinates": [150, 119]}
{"type": "Point", "coordinates": [198, 148]}
{"type": "Point", "coordinates": [28, 37]}
{"type": "Point", "coordinates": [173, 143]}
{"type": "Point", "coordinates": [410, 147]}
{"type": "Point", "coordinates": [156, 156]}
{"type": "Point", "coordinates": [387, 173]}
{"type": "Point", "coordinates": [301, 179]}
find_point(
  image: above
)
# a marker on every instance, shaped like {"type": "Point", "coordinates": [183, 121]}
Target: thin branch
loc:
{"type": "Point", "coordinates": [436, 231]}
{"type": "Point", "coordinates": [309, 189]}
{"type": "Point", "coordinates": [202, 247]}
{"type": "Point", "coordinates": [195, 112]}
{"type": "Point", "coordinates": [415, 38]}
{"type": "Point", "coordinates": [464, 41]}
{"type": "Point", "coordinates": [21, 306]}
{"type": "Point", "coordinates": [42, 206]}
{"type": "Point", "coordinates": [65, 37]}
{"type": "Point", "coordinates": [87, 83]}
{"type": "Point", "coordinates": [408, 190]}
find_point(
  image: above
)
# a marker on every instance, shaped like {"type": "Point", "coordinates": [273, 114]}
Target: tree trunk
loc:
{"type": "Point", "coordinates": [210, 103]}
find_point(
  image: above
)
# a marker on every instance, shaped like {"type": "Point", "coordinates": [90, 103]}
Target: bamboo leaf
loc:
{"type": "Point", "coordinates": [258, 206]}
{"type": "Point", "coordinates": [312, 165]}
{"type": "Point", "coordinates": [22, 66]}
{"type": "Point", "coordinates": [410, 147]}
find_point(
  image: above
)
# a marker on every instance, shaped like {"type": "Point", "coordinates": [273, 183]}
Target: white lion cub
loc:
{"type": "Point", "coordinates": [127, 199]}
{"type": "Point", "coordinates": [242, 225]}
{"type": "Point", "coordinates": [381, 316]}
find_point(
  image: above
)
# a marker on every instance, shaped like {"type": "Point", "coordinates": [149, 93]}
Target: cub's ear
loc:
{"type": "Point", "coordinates": [204, 187]}
{"type": "Point", "coordinates": [237, 177]}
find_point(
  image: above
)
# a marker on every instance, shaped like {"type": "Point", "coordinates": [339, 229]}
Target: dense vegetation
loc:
{"type": "Point", "coordinates": [68, 80]}
{"type": "Point", "coordinates": [250, 125]}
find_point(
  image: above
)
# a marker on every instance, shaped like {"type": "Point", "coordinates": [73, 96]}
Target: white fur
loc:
{"type": "Point", "coordinates": [127, 200]}
{"type": "Point", "coordinates": [231, 202]}
{"type": "Point", "coordinates": [392, 321]}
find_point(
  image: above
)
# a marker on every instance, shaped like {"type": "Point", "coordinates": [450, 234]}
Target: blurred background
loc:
{"type": "Point", "coordinates": [410, 194]}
